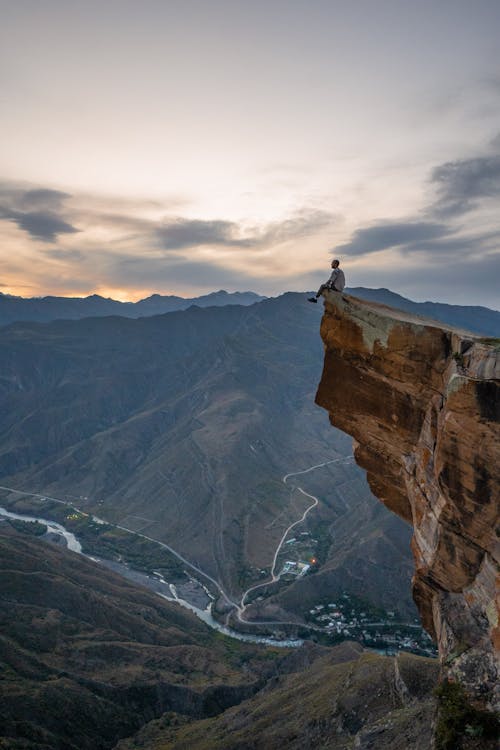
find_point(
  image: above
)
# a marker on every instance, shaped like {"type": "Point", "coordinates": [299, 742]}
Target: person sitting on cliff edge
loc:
{"type": "Point", "coordinates": [335, 283]}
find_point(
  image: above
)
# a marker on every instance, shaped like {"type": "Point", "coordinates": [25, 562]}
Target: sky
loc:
{"type": "Point", "coordinates": [186, 146]}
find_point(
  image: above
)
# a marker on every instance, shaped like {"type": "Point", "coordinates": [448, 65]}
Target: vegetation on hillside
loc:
{"type": "Point", "coordinates": [460, 725]}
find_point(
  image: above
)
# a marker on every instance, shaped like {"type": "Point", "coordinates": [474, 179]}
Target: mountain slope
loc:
{"type": "Point", "coordinates": [343, 701]}
{"type": "Point", "coordinates": [87, 657]}
{"type": "Point", "coordinates": [182, 426]}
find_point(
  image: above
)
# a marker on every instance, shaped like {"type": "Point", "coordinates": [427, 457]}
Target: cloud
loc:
{"type": "Point", "coordinates": [115, 221]}
{"type": "Point", "coordinates": [458, 246]}
{"type": "Point", "coordinates": [23, 198]}
{"type": "Point", "coordinates": [130, 270]}
{"type": "Point", "coordinates": [63, 254]}
{"type": "Point", "coordinates": [438, 242]}
{"type": "Point", "coordinates": [103, 269]}
{"type": "Point", "coordinates": [302, 224]}
{"type": "Point", "coordinates": [41, 225]}
{"type": "Point", "coordinates": [42, 199]}
{"type": "Point", "coordinates": [386, 235]}
{"type": "Point", "coordinates": [180, 233]}
{"type": "Point", "coordinates": [44, 214]}
{"type": "Point", "coordinates": [461, 185]}
{"type": "Point", "coordinates": [495, 143]}
{"type": "Point", "coordinates": [36, 211]}
{"type": "Point", "coordinates": [154, 272]}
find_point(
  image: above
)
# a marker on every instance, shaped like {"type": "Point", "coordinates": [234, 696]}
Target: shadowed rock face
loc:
{"type": "Point", "coordinates": [423, 405]}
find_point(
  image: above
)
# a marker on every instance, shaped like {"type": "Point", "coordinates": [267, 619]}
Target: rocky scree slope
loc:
{"type": "Point", "coordinates": [422, 402]}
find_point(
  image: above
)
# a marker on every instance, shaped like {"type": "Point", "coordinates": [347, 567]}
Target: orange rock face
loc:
{"type": "Point", "coordinates": [423, 405]}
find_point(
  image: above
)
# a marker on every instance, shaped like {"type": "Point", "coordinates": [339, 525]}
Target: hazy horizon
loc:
{"type": "Point", "coordinates": [236, 291]}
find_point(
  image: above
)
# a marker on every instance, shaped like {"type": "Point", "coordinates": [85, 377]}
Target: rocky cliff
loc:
{"type": "Point", "coordinates": [422, 402]}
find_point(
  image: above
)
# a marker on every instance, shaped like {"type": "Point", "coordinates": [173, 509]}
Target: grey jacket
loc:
{"type": "Point", "coordinates": [336, 280]}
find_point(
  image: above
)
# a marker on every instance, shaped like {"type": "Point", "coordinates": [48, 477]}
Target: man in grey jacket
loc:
{"type": "Point", "coordinates": [336, 282]}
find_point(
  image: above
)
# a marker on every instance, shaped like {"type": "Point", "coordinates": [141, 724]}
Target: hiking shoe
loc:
{"type": "Point", "coordinates": [312, 299]}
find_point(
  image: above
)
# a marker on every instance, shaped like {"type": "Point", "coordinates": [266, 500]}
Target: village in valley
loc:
{"type": "Point", "coordinates": [352, 618]}
{"type": "Point", "coordinates": [347, 616]}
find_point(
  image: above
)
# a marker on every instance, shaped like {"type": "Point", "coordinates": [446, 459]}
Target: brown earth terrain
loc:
{"type": "Point", "coordinates": [87, 658]}
{"type": "Point", "coordinates": [347, 699]}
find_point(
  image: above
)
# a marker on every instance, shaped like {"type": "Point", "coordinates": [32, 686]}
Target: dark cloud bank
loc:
{"type": "Point", "coordinates": [462, 185]}
{"type": "Point", "coordinates": [180, 233]}
{"type": "Point", "coordinates": [43, 214]}
{"type": "Point", "coordinates": [408, 235]}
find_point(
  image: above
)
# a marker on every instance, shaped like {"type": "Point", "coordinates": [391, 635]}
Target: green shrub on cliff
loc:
{"type": "Point", "coordinates": [459, 724]}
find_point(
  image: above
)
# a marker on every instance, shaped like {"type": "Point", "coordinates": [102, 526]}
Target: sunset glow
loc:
{"type": "Point", "coordinates": [161, 147]}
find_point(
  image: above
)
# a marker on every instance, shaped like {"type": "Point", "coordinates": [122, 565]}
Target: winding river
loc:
{"type": "Point", "coordinates": [156, 583]}
{"type": "Point", "coordinates": [72, 542]}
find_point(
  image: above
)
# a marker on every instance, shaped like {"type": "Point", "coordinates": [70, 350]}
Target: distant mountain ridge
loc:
{"type": "Point", "coordinates": [13, 309]}
{"type": "Point", "coordinates": [44, 309]}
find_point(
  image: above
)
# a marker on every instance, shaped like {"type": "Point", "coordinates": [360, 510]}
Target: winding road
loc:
{"type": "Point", "coordinates": [275, 577]}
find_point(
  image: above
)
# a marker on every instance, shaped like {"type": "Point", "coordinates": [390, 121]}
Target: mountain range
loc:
{"type": "Point", "coordinates": [182, 427]}
{"type": "Point", "coordinates": [43, 309]}
{"type": "Point", "coordinates": [87, 657]}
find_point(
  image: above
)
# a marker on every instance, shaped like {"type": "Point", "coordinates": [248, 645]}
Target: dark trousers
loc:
{"type": "Point", "coordinates": [322, 289]}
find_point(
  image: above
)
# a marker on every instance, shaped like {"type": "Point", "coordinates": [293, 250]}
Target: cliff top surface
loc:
{"type": "Point", "coordinates": [370, 326]}
{"type": "Point", "coordinates": [397, 314]}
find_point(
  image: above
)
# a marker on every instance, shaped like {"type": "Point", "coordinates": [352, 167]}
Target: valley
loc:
{"type": "Point", "coordinates": [161, 569]}
{"type": "Point", "coordinates": [184, 465]}
{"type": "Point", "coordinates": [180, 427]}
{"type": "Point", "coordinates": [88, 659]}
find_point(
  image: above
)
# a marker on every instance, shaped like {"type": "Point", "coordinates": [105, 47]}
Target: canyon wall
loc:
{"type": "Point", "coordinates": [422, 402]}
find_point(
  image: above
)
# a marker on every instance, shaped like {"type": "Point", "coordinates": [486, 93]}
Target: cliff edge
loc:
{"type": "Point", "coordinates": [422, 402]}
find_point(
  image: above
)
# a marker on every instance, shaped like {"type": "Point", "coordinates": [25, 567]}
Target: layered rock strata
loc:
{"type": "Point", "coordinates": [422, 403]}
